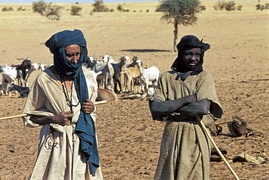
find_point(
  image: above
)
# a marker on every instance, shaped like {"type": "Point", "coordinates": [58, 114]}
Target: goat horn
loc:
{"type": "Point", "coordinates": [23, 115]}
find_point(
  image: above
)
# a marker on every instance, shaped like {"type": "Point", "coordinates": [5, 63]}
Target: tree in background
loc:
{"type": "Point", "coordinates": [179, 12]}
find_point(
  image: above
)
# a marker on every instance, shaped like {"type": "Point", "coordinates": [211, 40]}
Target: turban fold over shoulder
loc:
{"type": "Point", "coordinates": [85, 129]}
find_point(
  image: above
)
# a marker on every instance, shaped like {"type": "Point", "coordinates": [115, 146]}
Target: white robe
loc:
{"type": "Point", "coordinates": [58, 156]}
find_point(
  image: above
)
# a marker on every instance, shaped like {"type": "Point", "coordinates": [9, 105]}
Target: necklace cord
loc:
{"type": "Point", "coordinates": [67, 98]}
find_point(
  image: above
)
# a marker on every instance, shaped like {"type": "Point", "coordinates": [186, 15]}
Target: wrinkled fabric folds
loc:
{"type": "Point", "coordinates": [85, 125]}
{"type": "Point", "coordinates": [185, 149]}
{"type": "Point", "coordinates": [59, 148]}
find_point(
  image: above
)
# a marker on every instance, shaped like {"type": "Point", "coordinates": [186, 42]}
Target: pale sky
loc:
{"type": "Point", "coordinates": [71, 1]}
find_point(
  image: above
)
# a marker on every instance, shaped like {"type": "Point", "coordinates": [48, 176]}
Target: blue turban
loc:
{"type": "Point", "coordinates": [85, 125]}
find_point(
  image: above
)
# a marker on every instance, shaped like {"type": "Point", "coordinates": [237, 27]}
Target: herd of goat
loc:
{"type": "Point", "coordinates": [125, 76]}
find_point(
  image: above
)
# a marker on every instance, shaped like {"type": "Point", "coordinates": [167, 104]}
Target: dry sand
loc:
{"type": "Point", "coordinates": [129, 139]}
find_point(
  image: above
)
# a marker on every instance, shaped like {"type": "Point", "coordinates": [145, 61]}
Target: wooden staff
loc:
{"type": "Point", "coordinates": [23, 115]}
{"type": "Point", "coordinates": [16, 116]}
{"type": "Point", "coordinates": [216, 147]}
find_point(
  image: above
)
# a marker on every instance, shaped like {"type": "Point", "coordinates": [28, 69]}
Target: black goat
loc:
{"type": "Point", "coordinates": [22, 70]}
{"type": "Point", "coordinates": [24, 91]}
{"type": "Point", "coordinates": [117, 74]}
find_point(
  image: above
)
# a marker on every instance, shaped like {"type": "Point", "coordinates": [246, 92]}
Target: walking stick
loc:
{"type": "Point", "coordinates": [16, 116]}
{"type": "Point", "coordinates": [23, 115]}
{"type": "Point", "coordinates": [216, 147]}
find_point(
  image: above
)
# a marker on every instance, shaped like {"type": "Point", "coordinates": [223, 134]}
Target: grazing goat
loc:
{"type": "Point", "coordinates": [107, 58]}
{"type": "Point", "coordinates": [9, 76]}
{"type": "Point", "coordinates": [41, 66]}
{"type": "Point", "coordinates": [33, 67]}
{"type": "Point", "coordinates": [118, 68]}
{"type": "Point", "coordinates": [24, 91]}
{"type": "Point", "coordinates": [135, 62]}
{"type": "Point", "coordinates": [90, 62]}
{"type": "Point", "coordinates": [107, 74]}
{"type": "Point", "coordinates": [150, 76]}
{"type": "Point", "coordinates": [106, 94]}
{"type": "Point", "coordinates": [20, 73]}
{"type": "Point", "coordinates": [130, 74]}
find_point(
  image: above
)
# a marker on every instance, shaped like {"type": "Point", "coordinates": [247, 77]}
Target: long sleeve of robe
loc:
{"type": "Point", "coordinates": [185, 149]}
{"type": "Point", "coordinates": [59, 156]}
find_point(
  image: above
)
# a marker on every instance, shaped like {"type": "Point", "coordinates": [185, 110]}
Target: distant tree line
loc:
{"type": "Point", "coordinates": [53, 11]}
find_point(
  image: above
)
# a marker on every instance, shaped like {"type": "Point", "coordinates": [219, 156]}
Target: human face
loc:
{"type": "Point", "coordinates": [73, 53]}
{"type": "Point", "coordinates": [191, 57]}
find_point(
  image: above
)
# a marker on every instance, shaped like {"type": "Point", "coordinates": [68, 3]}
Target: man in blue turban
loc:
{"type": "Point", "coordinates": [62, 101]}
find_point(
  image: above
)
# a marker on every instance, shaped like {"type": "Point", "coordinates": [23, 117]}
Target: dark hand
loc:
{"type": "Point", "coordinates": [62, 118]}
{"type": "Point", "coordinates": [88, 106]}
{"type": "Point", "coordinates": [198, 108]}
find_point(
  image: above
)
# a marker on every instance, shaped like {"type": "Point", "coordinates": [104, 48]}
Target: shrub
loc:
{"type": "Point", "coordinates": [230, 6]}
{"type": "Point", "coordinates": [20, 9]}
{"type": "Point", "coordinates": [7, 9]}
{"type": "Point", "coordinates": [120, 8]}
{"type": "Point", "coordinates": [75, 10]}
{"type": "Point", "coordinates": [53, 12]}
{"type": "Point", "coordinates": [239, 8]}
{"type": "Point", "coordinates": [262, 7]}
{"type": "Point", "coordinates": [99, 6]}
{"type": "Point", "coordinates": [49, 10]}
{"type": "Point", "coordinates": [220, 5]}
{"type": "Point", "coordinates": [202, 8]}
{"type": "Point", "coordinates": [40, 7]}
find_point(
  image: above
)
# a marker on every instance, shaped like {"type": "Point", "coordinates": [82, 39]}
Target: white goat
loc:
{"type": "Point", "coordinates": [42, 66]}
{"type": "Point", "coordinates": [11, 74]}
{"type": "Point", "coordinates": [107, 58]}
{"type": "Point", "coordinates": [106, 76]}
{"type": "Point", "coordinates": [150, 76]}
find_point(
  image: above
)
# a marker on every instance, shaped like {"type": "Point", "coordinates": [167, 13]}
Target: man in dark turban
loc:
{"type": "Point", "coordinates": [185, 95]}
{"type": "Point", "coordinates": [62, 101]}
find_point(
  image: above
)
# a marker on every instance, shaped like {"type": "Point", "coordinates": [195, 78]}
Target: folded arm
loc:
{"type": "Point", "coordinates": [198, 108]}
{"type": "Point", "coordinates": [167, 107]}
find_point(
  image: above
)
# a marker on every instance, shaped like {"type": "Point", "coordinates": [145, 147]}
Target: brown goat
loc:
{"type": "Point", "coordinates": [106, 94]}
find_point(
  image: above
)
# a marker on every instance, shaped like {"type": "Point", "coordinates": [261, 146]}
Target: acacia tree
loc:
{"type": "Point", "coordinates": [179, 12]}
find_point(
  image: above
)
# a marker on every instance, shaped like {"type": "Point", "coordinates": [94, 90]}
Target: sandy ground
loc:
{"type": "Point", "coordinates": [129, 139]}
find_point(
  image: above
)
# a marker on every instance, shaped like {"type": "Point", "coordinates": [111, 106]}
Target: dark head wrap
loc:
{"type": "Point", "coordinates": [188, 42]}
{"type": "Point", "coordinates": [85, 126]}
